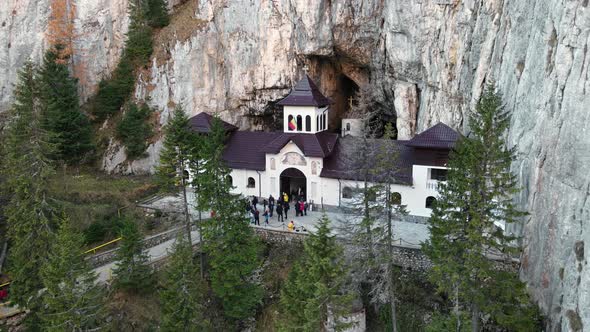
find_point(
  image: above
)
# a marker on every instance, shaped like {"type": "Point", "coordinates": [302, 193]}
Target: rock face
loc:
{"type": "Point", "coordinates": [428, 61]}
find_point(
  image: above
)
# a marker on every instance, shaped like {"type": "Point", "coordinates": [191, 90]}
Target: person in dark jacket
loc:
{"type": "Point", "coordinates": [280, 213]}
{"type": "Point", "coordinates": [257, 217]}
{"type": "Point", "coordinates": [286, 209]}
{"type": "Point", "coordinates": [255, 201]}
{"type": "Point", "coordinates": [305, 207]}
{"type": "Point", "coordinates": [297, 210]}
{"type": "Point", "coordinates": [271, 204]}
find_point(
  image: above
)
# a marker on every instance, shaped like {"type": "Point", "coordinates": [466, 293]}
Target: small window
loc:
{"type": "Point", "coordinates": [430, 201]}
{"type": "Point", "coordinates": [317, 123]}
{"type": "Point", "coordinates": [229, 180]}
{"type": "Point", "coordinates": [346, 192]}
{"type": "Point", "coordinates": [348, 126]}
{"type": "Point", "coordinates": [290, 123]}
{"type": "Point", "coordinates": [307, 123]}
{"type": "Point", "coordinates": [272, 163]}
{"type": "Point", "coordinates": [325, 121]}
{"type": "Point", "coordinates": [438, 174]}
{"type": "Point", "coordinates": [396, 198]}
{"type": "Point", "coordinates": [299, 123]}
{"type": "Point", "coordinates": [251, 182]}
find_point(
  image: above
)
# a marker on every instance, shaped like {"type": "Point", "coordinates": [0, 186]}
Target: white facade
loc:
{"type": "Point", "coordinates": [311, 119]}
{"type": "Point", "coordinates": [352, 127]}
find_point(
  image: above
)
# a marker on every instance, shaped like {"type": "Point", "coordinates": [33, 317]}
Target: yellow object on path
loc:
{"type": "Point", "coordinates": [291, 225]}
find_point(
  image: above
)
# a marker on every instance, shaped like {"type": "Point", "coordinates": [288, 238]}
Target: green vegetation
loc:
{"type": "Point", "coordinates": [26, 170]}
{"type": "Point", "coordinates": [133, 273]}
{"type": "Point", "coordinates": [134, 129]}
{"type": "Point", "coordinates": [115, 91]}
{"type": "Point", "coordinates": [71, 300]}
{"type": "Point", "coordinates": [478, 194]}
{"type": "Point", "coordinates": [183, 293]}
{"type": "Point", "coordinates": [230, 242]}
{"type": "Point", "coordinates": [314, 288]}
{"type": "Point", "coordinates": [69, 129]}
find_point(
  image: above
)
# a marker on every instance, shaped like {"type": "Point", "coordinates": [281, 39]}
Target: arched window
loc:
{"type": "Point", "coordinates": [307, 123]}
{"type": "Point", "coordinates": [346, 192]}
{"type": "Point", "coordinates": [289, 123]}
{"type": "Point", "coordinates": [430, 201]}
{"type": "Point", "coordinates": [251, 182]}
{"type": "Point", "coordinates": [229, 180]}
{"type": "Point", "coordinates": [396, 198]}
{"type": "Point", "coordinates": [317, 123]}
{"type": "Point", "coordinates": [348, 126]}
{"type": "Point", "coordinates": [314, 170]}
{"type": "Point", "coordinates": [325, 122]}
{"type": "Point", "coordinates": [299, 123]}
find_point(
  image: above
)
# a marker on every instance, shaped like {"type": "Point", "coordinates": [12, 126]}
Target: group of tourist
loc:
{"type": "Point", "coordinates": [281, 206]}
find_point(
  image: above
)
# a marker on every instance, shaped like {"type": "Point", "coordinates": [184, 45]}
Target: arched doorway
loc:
{"type": "Point", "coordinates": [294, 183]}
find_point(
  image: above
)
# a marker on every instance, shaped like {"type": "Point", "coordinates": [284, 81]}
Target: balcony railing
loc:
{"type": "Point", "coordinates": [432, 185]}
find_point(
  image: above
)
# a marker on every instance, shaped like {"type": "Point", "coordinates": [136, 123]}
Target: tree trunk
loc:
{"type": "Point", "coordinates": [390, 263]}
{"type": "Point", "coordinates": [3, 254]}
{"type": "Point", "coordinates": [456, 309]}
{"type": "Point", "coordinates": [474, 318]}
{"type": "Point", "coordinates": [187, 217]}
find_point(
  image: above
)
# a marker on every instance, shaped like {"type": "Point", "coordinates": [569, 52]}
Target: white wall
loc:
{"type": "Point", "coordinates": [312, 111]}
{"type": "Point", "coordinates": [356, 127]}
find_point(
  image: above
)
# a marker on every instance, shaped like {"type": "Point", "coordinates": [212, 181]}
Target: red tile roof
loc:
{"type": "Point", "coordinates": [201, 123]}
{"type": "Point", "coordinates": [305, 93]}
{"type": "Point", "coordinates": [439, 136]}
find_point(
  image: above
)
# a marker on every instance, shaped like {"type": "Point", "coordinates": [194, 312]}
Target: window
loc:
{"type": "Point", "coordinates": [273, 163]}
{"type": "Point", "coordinates": [229, 180]}
{"type": "Point", "coordinates": [348, 126]}
{"type": "Point", "coordinates": [346, 192]}
{"type": "Point", "coordinates": [317, 123]}
{"type": "Point", "coordinates": [289, 123]}
{"type": "Point", "coordinates": [299, 123]}
{"type": "Point", "coordinates": [314, 166]}
{"type": "Point", "coordinates": [430, 201]}
{"type": "Point", "coordinates": [307, 123]}
{"type": "Point", "coordinates": [396, 198]}
{"type": "Point", "coordinates": [251, 182]}
{"type": "Point", "coordinates": [325, 121]}
{"type": "Point", "coordinates": [438, 174]}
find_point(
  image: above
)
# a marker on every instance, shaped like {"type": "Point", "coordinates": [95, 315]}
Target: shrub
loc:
{"type": "Point", "coordinates": [103, 230]}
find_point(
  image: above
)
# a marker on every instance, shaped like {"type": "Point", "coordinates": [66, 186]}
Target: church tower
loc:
{"type": "Point", "coordinates": [305, 109]}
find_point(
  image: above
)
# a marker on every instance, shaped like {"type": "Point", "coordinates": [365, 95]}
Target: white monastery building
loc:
{"type": "Point", "coordinates": [307, 158]}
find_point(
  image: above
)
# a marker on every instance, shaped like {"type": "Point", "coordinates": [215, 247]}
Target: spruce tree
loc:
{"type": "Point", "coordinates": [475, 199]}
{"type": "Point", "coordinates": [26, 170]}
{"type": "Point", "coordinates": [134, 130]}
{"type": "Point", "coordinates": [183, 292]}
{"type": "Point", "coordinates": [72, 301]}
{"type": "Point", "coordinates": [230, 243]}
{"type": "Point", "coordinates": [313, 290]}
{"type": "Point", "coordinates": [133, 272]}
{"type": "Point", "coordinates": [179, 143]}
{"type": "Point", "coordinates": [157, 14]}
{"type": "Point", "coordinates": [69, 128]}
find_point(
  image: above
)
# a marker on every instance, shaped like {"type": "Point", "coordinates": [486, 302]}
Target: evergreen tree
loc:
{"type": "Point", "coordinates": [230, 242]}
{"type": "Point", "coordinates": [179, 143]}
{"type": "Point", "coordinates": [26, 170]}
{"type": "Point", "coordinates": [183, 293]}
{"type": "Point", "coordinates": [69, 128]}
{"type": "Point", "coordinates": [313, 290]}
{"type": "Point", "coordinates": [475, 199]}
{"type": "Point", "coordinates": [134, 130]}
{"type": "Point", "coordinates": [132, 273]}
{"type": "Point", "coordinates": [71, 299]}
{"type": "Point", "coordinates": [158, 13]}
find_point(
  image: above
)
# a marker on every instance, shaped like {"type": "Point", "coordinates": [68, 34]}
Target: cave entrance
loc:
{"type": "Point", "coordinates": [344, 96]}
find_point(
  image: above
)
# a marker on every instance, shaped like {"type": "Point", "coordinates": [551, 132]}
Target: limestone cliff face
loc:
{"type": "Point", "coordinates": [429, 60]}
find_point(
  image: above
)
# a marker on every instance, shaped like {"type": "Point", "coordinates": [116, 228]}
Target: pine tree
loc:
{"type": "Point", "coordinates": [132, 273]}
{"type": "Point", "coordinates": [230, 242]}
{"type": "Point", "coordinates": [313, 290]}
{"type": "Point", "coordinates": [174, 159]}
{"type": "Point", "coordinates": [183, 293]}
{"type": "Point", "coordinates": [69, 128]}
{"type": "Point", "coordinates": [475, 199]}
{"type": "Point", "coordinates": [158, 13]}
{"type": "Point", "coordinates": [134, 130]}
{"type": "Point", "coordinates": [26, 170]}
{"type": "Point", "coordinates": [72, 301]}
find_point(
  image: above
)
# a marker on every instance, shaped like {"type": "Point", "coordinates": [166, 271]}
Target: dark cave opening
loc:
{"type": "Point", "coordinates": [343, 97]}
